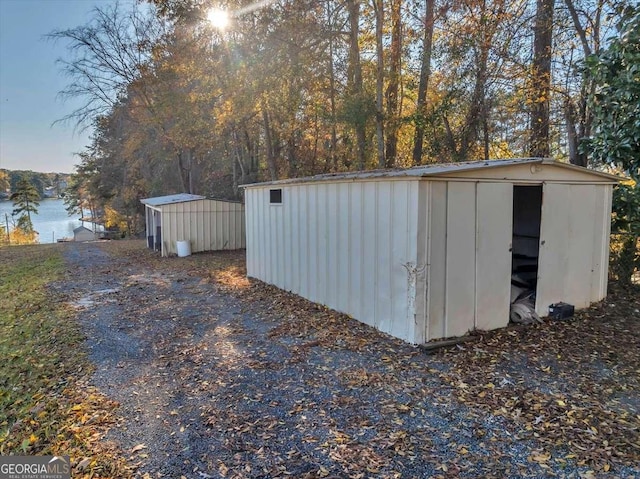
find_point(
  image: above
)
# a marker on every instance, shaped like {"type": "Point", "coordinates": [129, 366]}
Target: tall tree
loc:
{"type": "Point", "coordinates": [358, 108]}
{"type": "Point", "coordinates": [378, 7]}
{"type": "Point", "coordinates": [393, 87]}
{"type": "Point", "coordinates": [588, 20]}
{"type": "Point", "coordinates": [541, 79]}
{"type": "Point", "coordinates": [25, 200]}
{"type": "Point", "coordinates": [107, 56]}
{"type": "Point", "coordinates": [425, 75]}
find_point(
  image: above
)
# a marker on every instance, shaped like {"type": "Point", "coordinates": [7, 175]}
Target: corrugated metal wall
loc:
{"type": "Point", "coordinates": [209, 225]}
{"type": "Point", "coordinates": [347, 245]}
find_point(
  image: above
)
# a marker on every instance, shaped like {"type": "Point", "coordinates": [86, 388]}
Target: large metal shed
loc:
{"type": "Point", "coordinates": [208, 225]}
{"type": "Point", "coordinates": [430, 252]}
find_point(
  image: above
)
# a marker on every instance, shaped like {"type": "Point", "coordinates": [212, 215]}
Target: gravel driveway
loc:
{"type": "Point", "coordinates": [261, 384]}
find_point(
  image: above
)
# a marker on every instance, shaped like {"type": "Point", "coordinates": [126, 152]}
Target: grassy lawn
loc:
{"type": "Point", "coordinates": [46, 407]}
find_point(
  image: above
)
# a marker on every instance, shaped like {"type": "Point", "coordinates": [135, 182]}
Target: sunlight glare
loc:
{"type": "Point", "coordinates": [218, 18]}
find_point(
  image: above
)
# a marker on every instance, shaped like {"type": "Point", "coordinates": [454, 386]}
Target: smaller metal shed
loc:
{"type": "Point", "coordinates": [208, 225]}
{"type": "Point", "coordinates": [82, 233]}
{"type": "Point", "coordinates": [433, 251]}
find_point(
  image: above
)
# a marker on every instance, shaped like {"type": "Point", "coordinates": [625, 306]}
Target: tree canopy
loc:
{"type": "Point", "coordinates": [616, 102]}
{"type": "Point", "coordinates": [296, 88]}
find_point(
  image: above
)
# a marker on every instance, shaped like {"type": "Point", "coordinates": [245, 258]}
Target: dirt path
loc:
{"type": "Point", "coordinates": [213, 384]}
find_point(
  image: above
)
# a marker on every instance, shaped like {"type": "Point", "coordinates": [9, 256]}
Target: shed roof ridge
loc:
{"type": "Point", "coordinates": [432, 169]}
{"type": "Point", "coordinates": [169, 199]}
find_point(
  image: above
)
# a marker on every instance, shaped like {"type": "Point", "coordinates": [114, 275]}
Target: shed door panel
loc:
{"type": "Point", "coordinates": [493, 258]}
{"type": "Point", "coordinates": [565, 270]}
{"type": "Point", "coordinates": [460, 258]}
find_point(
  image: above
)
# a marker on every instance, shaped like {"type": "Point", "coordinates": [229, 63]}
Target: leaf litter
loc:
{"type": "Point", "coordinates": [218, 375]}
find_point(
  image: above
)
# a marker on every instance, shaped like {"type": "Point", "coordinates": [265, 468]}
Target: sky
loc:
{"type": "Point", "coordinates": [30, 81]}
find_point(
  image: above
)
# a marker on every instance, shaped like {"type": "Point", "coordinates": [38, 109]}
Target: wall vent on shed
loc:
{"type": "Point", "coordinates": [275, 196]}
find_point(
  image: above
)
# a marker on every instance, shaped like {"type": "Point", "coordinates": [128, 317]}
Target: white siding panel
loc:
{"type": "Point", "coordinates": [249, 218]}
{"type": "Point", "coordinates": [343, 251]}
{"type": "Point", "coordinates": [437, 269]}
{"type": "Point", "coordinates": [356, 251]}
{"type": "Point", "coordinates": [261, 236]}
{"type": "Point", "coordinates": [287, 242]}
{"type": "Point", "coordinates": [369, 248]}
{"type": "Point", "coordinates": [281, 257]}
{"type": "Point", "coordinates": [278, 218]}
{"type": "Point", "coordinates": [311, 220]}
{"type": "Point", "coordinates": [553, 262]}
{"type": "Point", "coordinates": [295, 234]}
{"type": "Point", "coordinates": [333, 246]}
{"type": "Point", "coordinates": [404, 265]}
{"type": "Point", "coordinates": [303, 229]}
{"type": "Point", "coordinates": [601, 232]}
{"type": "Point", "coordinates": [460, 275]}
{"type": "Point", "coordinates": [383, 270]}
{"type": "Point", "coordinates": [420, 313]}
{"type": "Point", "coordinates": [581, 244]}
{"type": "Point", "coordinates": [255, 239]}
{"type": "Point", "coordinates": [322, 252]}
{"type": "Point", "coordinates": [493, 256]}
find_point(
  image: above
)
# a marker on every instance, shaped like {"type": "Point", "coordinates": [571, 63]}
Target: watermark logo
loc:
{"type": "Point", "coordinates": [35, 467]}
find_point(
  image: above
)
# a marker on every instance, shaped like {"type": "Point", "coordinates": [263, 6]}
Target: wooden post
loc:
{"type": "Point", "coordinates": [6, 219]}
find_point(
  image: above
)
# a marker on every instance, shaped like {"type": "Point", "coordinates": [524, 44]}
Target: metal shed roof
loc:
{"type": "Point", "coordinates": [170, 199]}
{"type": "Point", "coordinates": [435, 169]}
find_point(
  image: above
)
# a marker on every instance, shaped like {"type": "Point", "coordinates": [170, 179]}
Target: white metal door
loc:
{"type": "Point", "coordinates": [494, 227]}
{"type": "Point", "coordinates": [567, 237]}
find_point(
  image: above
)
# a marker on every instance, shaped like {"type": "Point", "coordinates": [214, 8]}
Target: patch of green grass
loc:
{"type": "Point", "coordinates": [46, 406]}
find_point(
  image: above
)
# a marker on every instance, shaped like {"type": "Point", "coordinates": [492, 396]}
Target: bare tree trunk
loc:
{"type": "Point", "coordinates": [332, 92]}
{"type": "Point", "coordinates": [582, 34]}
{"type": "Point", "coordinates": [450, 138]}
{"type": "Point", "coordinates": [191, 166]}
{"type": "Point", "coordinates": [378, 6]}
{"type": "Point", "coordinates": [293, 159]}
{"type": "Point", "coordinates": [485, 128]}
{"type": "Point", "coordinates": [271, 161]}
{"type": "Point", "coordinates": [582, 122]}
{"type": "Point", "coordinates": [395, 65]}
{"type": "Point", "coordinates": [425, 74]}
{"type": "Point", "coordinates": [355, 68]}
{"type": "Point", "coordinates": [182, 168]}
{"type": "Point", "coordinates": [541, 81]}
{"type": "Point", "coordinates": [235, 178]}
{"type": "Point", "coordinates": [572, 134]}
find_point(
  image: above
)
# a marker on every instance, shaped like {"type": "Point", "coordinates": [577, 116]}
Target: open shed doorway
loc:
{"type": "Point", "coordinates": [527, 214]}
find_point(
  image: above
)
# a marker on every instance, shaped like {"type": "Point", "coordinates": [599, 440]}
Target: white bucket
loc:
{"type": "Point", "coordinates": [184, 248]}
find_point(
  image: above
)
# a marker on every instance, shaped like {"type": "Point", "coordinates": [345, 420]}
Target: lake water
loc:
{"type": "Point", "coordinates": [52, 220]}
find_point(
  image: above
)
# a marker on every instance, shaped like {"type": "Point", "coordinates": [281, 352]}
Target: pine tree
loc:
{"type": "Point", "coordinates": [25, 201]}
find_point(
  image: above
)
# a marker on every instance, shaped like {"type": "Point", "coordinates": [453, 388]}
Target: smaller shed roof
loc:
{"type": "Point", "coordinates": [436, 169]}
{"type": "Point", "coordinates": [81, 228]}
{"type": "Point", "coordinates": [170, 199]}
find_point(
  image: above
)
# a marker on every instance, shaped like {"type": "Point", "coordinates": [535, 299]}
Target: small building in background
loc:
{"type": "Point", "coordinates": [82, 233]}
{"type": "Point", "coordinates": [433, 251]}
{"type": "Point", "coordinates": [207, 225]}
